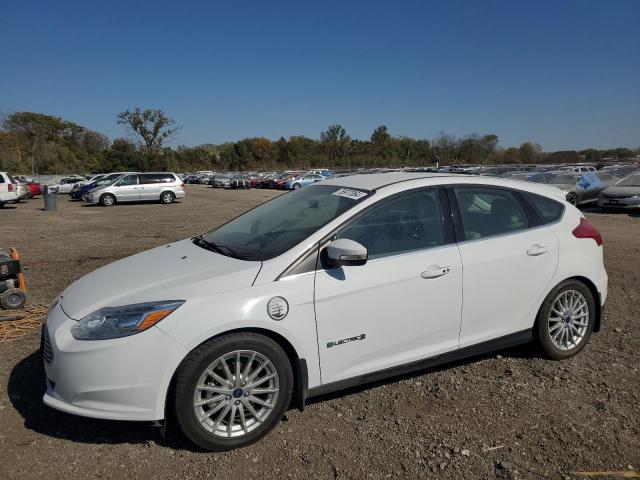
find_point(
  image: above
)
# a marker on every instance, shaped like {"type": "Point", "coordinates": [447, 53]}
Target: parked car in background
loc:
{"type": "Point", "coordinates": [193, 178]}
{"type": "Point", "coordinates": [8, 189]}
{"type": "Point", "coordinates": [164, 187]}
{"type": "Point", "coordinates": [65, 185]}
{"type": "Point", "coordinates": [624, 194]}
{"type": "Point", "coordinates": [23, 191]}
{"type": "Point", "coordinates": [578, 169]}
{"type": "Point", "coordinates": [80, 192]}
{"type": "Point", "coordinates": [35, 189]}
{"type": "Point", "coordinates": [240, 181]}
{"type": "Point", "coordinates": [23, 178]}
{"type": "Point", "coordinates": [220, 180]}
{"type": "Point", "coordinates": [304, 180]}
{"type": "Point", "coordinates": [578, 188]}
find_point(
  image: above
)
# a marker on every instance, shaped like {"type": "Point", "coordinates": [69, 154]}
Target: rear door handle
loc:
{"type": "Point", "coordinates": [536, 250]}
{"type": "Point", "coordinates": [435, 272]}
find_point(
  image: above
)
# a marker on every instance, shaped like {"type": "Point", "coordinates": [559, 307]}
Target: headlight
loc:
{"type": "Point", "coordinates": [116, 322]}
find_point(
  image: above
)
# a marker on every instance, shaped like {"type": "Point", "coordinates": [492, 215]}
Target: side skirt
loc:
{"type": "Point", "coordinates": [511, 340]}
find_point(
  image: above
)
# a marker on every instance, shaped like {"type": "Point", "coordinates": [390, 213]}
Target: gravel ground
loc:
{"type": "Point", "coordinates": [506, 415]}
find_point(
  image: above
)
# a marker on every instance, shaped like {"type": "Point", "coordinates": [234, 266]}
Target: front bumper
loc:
{"type": "Point", "coordinates": [629, 203]}
{"type": "Point", "coordinates": [118, 379]}
{"type": "Point", "coordinates": [92, 198]}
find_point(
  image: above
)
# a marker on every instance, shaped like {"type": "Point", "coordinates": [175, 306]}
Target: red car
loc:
{"type": "Point", "coordinates": [35, 189]}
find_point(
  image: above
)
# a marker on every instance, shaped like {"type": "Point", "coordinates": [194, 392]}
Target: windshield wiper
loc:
{"type": "Point", "coordinates": [221, 249]}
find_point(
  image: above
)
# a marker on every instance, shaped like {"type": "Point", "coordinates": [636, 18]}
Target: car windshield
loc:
{"type": "Point", "coordinates": [278, 225]}
{"type": "Point", "coordinates": [630, 181]}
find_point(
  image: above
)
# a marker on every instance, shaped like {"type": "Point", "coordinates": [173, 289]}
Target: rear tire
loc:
{"type": "Point", "coordinates": [107, 200]}
{"type": "Point", "coordinates": [572, 198]}
{"type": "Point", "coordinates": [231, 416]}
{"type": "Point", "coordinates": [565, 320]}
{"type": "Point", "coordinates": [167, 198]}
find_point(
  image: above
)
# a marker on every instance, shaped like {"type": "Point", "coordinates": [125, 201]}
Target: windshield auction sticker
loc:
{"type": "Point", "coordinates": [350, 193]}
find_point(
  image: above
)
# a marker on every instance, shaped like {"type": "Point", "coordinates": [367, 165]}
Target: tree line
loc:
{"type": "Point", "coordinates": [36, 143]}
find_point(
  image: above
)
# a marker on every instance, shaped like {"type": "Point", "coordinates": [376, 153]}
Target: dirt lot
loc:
{"type": "Point", "coordinates": [506, 415]}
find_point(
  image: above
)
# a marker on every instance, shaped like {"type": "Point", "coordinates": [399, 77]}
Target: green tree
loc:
{"type": "Point", "coordinates": [151, 128]}
{"type": "Point", "coordinates": [335, 143]}
{"type": "Point", "coordinates": [35, 130]}
{"type": "Point", "coordinates": [381, 142]}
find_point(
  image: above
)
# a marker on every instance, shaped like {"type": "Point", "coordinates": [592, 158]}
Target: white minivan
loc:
{"type": "Point", "coordinates": [8, 189]}
{"type": "Point", "coordinates": [337, 284]}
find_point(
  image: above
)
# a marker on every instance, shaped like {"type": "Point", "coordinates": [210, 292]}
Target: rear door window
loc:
{"type": "Point", "coordinates": [485, 212]}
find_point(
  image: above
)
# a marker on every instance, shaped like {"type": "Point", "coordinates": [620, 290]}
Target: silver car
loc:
{"type": "Point", "coordinates": [164, 187]}
{"type": "Point", "coordinates": [624, 194]}
{"type": "Point", "coordinates": [578, 188]}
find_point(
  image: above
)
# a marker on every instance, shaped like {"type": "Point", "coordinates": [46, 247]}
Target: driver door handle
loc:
{"type": "Point", "coordinates": [435, 272]}
{"type": "Point", "coordinates": [536, 250]}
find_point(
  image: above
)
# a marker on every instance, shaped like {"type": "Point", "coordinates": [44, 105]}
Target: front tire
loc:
{"type": "Point", "coordinates": [107, 200]}
{"type": "Point", "coordinates": [572, 198]}
{"type": "Point", "coordinates": [566, 319]}
{"type": "Point", "coordinates": [232, 390]}
{"type": "Point", "coordinates": [296, 186]}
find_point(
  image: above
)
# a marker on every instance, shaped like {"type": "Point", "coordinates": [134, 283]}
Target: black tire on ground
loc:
{"type": "Point", "coordinates": [12, 299]}
{"type": "Point", "coordinates": [572, 198]}
{"type": "Point", "coordinates": [107, 200]}
{"type": "Point", "coordinates": [541, 328]}
{"type": "Point", "coordinates": [296, 186]}
{"type": "Point", "coordinates": [195, 364]}
{"type": "Point", "coordinates": [83, 197]}
{"type": "Point", "coordinates": [167, 198]}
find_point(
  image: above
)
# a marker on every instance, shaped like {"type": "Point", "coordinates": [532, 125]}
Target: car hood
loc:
{"type": "Point", "coordinates": [622, 191]}
{"type": "Point", "coordinates": [177, 271]}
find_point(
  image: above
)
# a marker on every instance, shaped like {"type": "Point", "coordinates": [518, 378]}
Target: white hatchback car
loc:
{"type": "Point", "coordinates": [346, 281]}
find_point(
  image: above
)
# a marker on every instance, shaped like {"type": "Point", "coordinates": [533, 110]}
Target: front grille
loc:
{"type": "Point", "coordinates": [606, 195]}
{"type": "Point", "coordinates": [47, 351]}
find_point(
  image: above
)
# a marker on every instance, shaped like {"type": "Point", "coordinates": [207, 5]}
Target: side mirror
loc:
{"type": "Point", "coordinates": [345, 252]}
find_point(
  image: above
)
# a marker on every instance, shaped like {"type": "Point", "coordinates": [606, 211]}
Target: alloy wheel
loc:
{"type": "Point", "coordinates": [236, 393]}
{"type": "Point", "coordinates": [568, 320]}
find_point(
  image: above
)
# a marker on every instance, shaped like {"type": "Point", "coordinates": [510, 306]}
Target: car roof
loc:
{"type": "Point", "coordinates": [374, 181]}
{"type": "Point", "coordinates": [377, 181]}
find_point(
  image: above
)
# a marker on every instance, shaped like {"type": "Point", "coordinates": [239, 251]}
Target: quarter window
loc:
{"type": "Point", "coordinates": [487, 211]}
{"type": "Point", "coordinates": [549, 210]}
{"type": "Point", "coordinates": [404, 224]}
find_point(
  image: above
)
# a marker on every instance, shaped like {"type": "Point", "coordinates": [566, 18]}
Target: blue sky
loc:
{"type": "Point", "coordinates": [565, 74]}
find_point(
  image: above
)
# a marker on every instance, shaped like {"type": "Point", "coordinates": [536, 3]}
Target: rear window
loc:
{"type": "Point", "coordinates": [146, 178]}
{"type": "Point", "coordinates": [548, 209]}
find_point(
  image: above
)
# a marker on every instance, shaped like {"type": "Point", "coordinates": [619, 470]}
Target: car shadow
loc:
{"type": "Point", "coordinates": [25, 390]}
{"type": "Point", "coordinates": [26, 387]}
{"type": "Point", "coordinates": [526, 351]}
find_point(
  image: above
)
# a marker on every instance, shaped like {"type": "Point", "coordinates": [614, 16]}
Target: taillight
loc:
{"type": "Point", "coordinates": [10, 187]}
{"type": "Point", "coordinates": [586, 230]}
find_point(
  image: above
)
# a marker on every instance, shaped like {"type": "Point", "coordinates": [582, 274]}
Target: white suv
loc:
{"type": "Point", "coordinates": [337, 284]}
{"type": "Point", "coordinates": [8, 189]}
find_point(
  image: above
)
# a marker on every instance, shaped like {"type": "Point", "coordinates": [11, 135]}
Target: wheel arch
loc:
{"type": "Point", "coordinates": [115, 199]}
{"type": "Point", "coordinates": [298, 365]}
{"type": "Point", "coordinates": [594, 291]}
